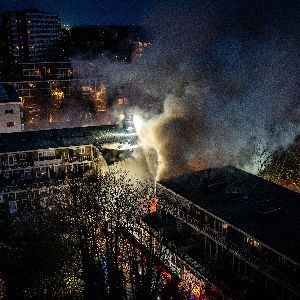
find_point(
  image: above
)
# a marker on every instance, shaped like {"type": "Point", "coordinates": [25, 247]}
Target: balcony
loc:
{"type": "Point", "coordinates": [17, 165]}
{"type": "Point", "coordinates": [48, 161]}
{"type": "Point", "coordinates": [77, 159]}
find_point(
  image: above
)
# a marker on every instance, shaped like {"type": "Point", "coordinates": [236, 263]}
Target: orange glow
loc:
{"type": "Point", "coordinates": [100, 99]}
{"type": "Point", "coordinates": [32, 84]}
{"type": "Point", "coordinates": [58, 94]}
{"type": "Point", "coordinates": [196, 290]}
{"type": "Point", "coordinates": [294, 186]}
{"type": "Point", "coordinates": [153, 206]}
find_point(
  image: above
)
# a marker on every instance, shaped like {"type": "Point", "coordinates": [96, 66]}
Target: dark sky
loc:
{"type": "Point", "coordinates": [89, 11]}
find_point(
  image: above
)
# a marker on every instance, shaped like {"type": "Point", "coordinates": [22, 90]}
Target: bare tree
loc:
{"type": "Point", "coordinates": [93, 231]}
{"type": "Point", "coordinates": [37, 257]}
{"type": "Point", "coordinates": [283, 166]}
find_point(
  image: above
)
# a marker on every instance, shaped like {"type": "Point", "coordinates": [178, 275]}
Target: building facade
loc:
{"type": "Point", "coordinates": [10, 113]}
{"type": "Point", "coordinates": [32, 35]}
{"type": "Point", "coordinates": [242, 230]}
{"type": "Point", "coordinates": [32, 160]}
{"type": "Point", "coordinates": [45, 70]}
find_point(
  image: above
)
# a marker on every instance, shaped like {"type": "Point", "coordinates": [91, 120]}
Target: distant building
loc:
{"type": "Point", "coordinates": [10, 114]}
{"type": "Point", "coordinates": [100, 99]}
{"type": "Point", "coordinates": [32, 35]}
{"type": "Point", "coordinates": [112, 41]}
{"type": "Point", "coordinates": [238, 230]}
{"type": "Point", "coordinates": [138, 48]}
{"type": "Point", "coordinates": [38, 71]}
{"type": "Point", "coordinates": [37, 80]}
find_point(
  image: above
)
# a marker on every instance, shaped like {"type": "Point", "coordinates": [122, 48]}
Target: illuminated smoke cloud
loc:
{"type": "Point", "coordinates": [224, 77]}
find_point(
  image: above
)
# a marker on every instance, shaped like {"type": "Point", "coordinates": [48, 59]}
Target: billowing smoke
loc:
{"type": "Point", "coordinates": [220, 80]}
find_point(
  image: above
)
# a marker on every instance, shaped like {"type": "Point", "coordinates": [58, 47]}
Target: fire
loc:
{"type": "Point", "coordinates": [294, 186]}
{"type": "Point", "coordinates": [153, 206]}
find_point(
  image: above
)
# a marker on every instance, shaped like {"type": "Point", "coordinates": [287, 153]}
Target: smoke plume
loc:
{"type": "Point", "coordinates": [218, 85]}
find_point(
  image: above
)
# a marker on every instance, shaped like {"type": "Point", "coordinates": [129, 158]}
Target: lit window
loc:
{"type": "Point", "coordinates": [225, 226]}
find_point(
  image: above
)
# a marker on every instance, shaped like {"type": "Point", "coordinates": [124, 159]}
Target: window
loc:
{"type": "Point", "coordinates": [46, 155]}
{"type": "Point", "coordinates": [22, 155]}
{"type": "Point", "coordinates": [13, 207]}
{"type": "Point", "coordinates": [10, 124]}
{"type": "Point", "coordinates": [41, 173]}
{"type": "Point", "coordinates": [11, 160]}
{"type": "Point", "coordinates": [9, 111]}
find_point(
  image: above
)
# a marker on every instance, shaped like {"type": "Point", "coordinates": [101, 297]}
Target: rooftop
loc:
{"type": "Point", "coordinates": [66, 137]}
{"type": "Point", "coordinates": [8, 93]}
{"type": "Point", "coordinates": [266, 211]}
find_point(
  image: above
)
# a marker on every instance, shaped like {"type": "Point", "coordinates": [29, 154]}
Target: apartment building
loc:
{"type": "Point", "coordinates": [32, 35]}
{"type": "Point", "coordinates": [40, 158]}
{"type": "Point", "coordinates": [239, 230]}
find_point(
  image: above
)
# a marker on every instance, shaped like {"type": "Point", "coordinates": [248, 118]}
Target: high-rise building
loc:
{"type": "Point", "coordinates": [32, 35]}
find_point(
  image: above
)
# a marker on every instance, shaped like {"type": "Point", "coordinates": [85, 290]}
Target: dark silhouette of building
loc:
{"type": "Point", "coordinates": [115, 41]}
{"type": "Point", "coordinates": [243, 231]}
{"type": "Point", "coordinates": [32, 35]}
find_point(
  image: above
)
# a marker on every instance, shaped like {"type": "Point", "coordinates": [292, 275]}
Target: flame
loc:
{"type": "Point", "coordinates": [153, 206]}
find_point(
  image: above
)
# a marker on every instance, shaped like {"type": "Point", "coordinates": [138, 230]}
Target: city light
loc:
{"type": "Point", "coordinates": [138, 123]}
{"type": "Point", "coordinates": [58, 94]}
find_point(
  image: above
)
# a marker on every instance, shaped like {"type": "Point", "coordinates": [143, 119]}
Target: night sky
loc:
{"type": "Point", "coordinates": [76, 12]}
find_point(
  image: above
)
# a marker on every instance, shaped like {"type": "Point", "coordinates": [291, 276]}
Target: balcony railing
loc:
{"type": "Point", "coordinates": [80, 158]}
